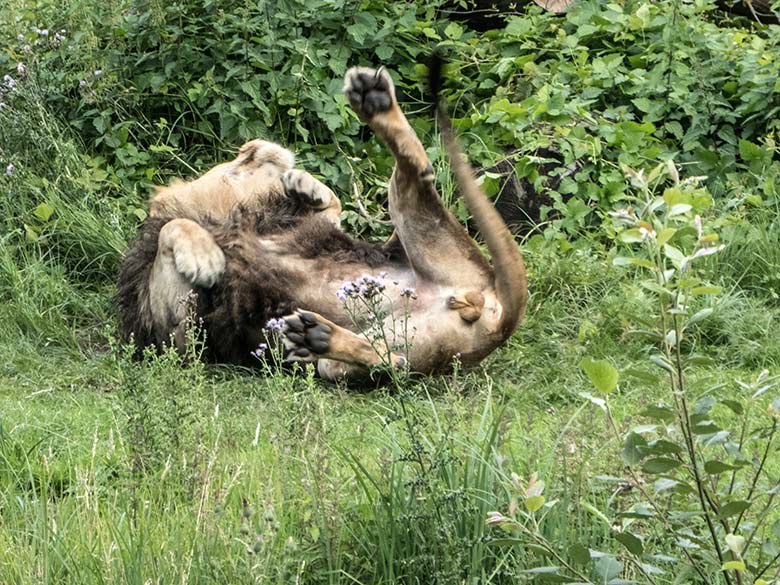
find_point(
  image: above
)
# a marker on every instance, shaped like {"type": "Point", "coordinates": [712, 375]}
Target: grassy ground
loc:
{"type": "Point", "coordinates": [113, 471]}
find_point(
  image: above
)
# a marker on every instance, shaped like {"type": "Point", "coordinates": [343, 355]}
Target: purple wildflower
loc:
{"type": "Point", "coordinates": [369, 286]}
{"type": "Point", "coordinates": [9, 82]}
{"type": "Point", "coordinates": [366, 287]}
{"type": "Point", "coordinates": [44, 32]}
{"type": "Point", "coordinates": [409, 293]}
{"type": "Point", "coordinates": [82, 83]}
{"type": "Point", "coordinates": [275, 325]}
{"type": "Point", "coordinates": [26, 48]}
{"type": "Point", "coordinates": [9, 170]}
{"type": "Point", "coordinates": [21, 69]}
{"type": "Point", "coordinates": [20, 37]}
{"type": "Point", "coordinates": [97, 73]}
{"type": "Point", "coordinates": [258, 353]}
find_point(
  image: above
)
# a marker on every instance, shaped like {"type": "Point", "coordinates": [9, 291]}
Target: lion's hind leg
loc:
{"type": "Point", "coordinates": [187, 257]}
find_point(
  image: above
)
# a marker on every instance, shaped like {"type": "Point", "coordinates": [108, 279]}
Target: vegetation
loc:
{"type": "Point", "coordinates": [627, 433]}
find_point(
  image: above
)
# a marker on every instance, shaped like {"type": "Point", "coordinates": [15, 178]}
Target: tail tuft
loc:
{"type": "Point", "coordinates": [436, 65]}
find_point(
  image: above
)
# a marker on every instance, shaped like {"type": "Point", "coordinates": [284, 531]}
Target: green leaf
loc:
{"type": "Point", "coordinates": [660, 465]}
{"type": "Point", "coordinates": [705, 427]}
{"type": "Point", "coordinates": [706, 290]}
{"type": "Point", "coordinates": [631, 261]}
{"type": "Point", "coordinates": [700, 315]}
{"type": "Point", "coordinates": [608, 568]}
{"type": "Point", "coordinates": [749, 151]}
{"type": "Point", "coordinates": [662, 362]}
{"type": "Point", "coordinates": [518, 26]}
{"type": "Point", "coordinates": [579, 554]}
{"type": "Point", "coordinates": [453, 31]}
{"type": "Point", "coordinates": [679, 209]}
{"type": "Point", "coordinates": [533, 503]}
{"type": "Point", "coordinates": [631, 236]}
{"type": "Point", "coordinates": [631, 542]}
{"type": "Point", "coordinates": [675, 195]}
{"type": "Point", "coordinates": [665, 235]}
{"type": "Point", "coordinates": [664, 484]}
{"type": "Point", "coordinates": [653, 286]}
{"type": "Point", "coordinates": [732, 509]}
{"type": "Point", "coordinates": [44, 211]}
{"type": "Point", "coordinates": [597, 513]}
{"type": "Point", "coordinates": [658, 412]}
{"type": "Point", "coordinates": [651, 569]}
{"type": "Point", "coordinates": [601, 373]}
{"type": "Point", "coordinates": [674, 255]}
{"type": "Point", "coordinates": [714, 467]}
{"type": "Point", "coordinates": [663, 447]}
{"type": "Point", "coordinates": [632, 449]}
{"type": "Point", "coordinates": [734, 566]}
{"type": "Point", "coordinates": [551, 573]}
{"type": "Point", "coordinates": [770, 549]}
{"type": "Point", "coordinates": [704, 405]}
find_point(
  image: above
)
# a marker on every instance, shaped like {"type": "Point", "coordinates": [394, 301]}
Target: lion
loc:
{"type": "Point", "coordinates": [257, 242]}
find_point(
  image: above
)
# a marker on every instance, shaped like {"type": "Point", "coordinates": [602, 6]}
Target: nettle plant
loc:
{"type": "Point", "coordinates": [369, 306]}
{"type": "Point", "coordinates": [712, 500]}
{"type": "Point", "coordinates": [702, 463]}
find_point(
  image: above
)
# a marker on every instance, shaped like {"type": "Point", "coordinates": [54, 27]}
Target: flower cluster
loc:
{"type": "Point", "coordinates": [274, 325]}
{"type": "Point", "coordinates": [9, 170]}
{"type": "Point", "coordinates": [258, 353]}
{"type": "Point", "coordinates": [366, 287]}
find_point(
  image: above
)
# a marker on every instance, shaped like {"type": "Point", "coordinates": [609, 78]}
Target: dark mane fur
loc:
{"type": "Point", "coordinates": [251, 290]}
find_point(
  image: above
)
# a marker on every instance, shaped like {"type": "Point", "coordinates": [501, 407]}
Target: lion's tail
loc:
{"type": "Point", "coordinates": [510, 278]}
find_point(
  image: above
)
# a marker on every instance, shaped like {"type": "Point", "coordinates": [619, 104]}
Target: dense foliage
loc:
{"type": "Point", "coordinates": [650, 127]}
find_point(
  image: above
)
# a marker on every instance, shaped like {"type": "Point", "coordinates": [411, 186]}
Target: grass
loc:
{"type": "Point", "coordinates": [273, 479]}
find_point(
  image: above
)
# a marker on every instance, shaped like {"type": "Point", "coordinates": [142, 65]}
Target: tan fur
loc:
{"type": "Point", "coordinates": [461, 307]}
{"type": "Point", "coordinates": [260, 170]}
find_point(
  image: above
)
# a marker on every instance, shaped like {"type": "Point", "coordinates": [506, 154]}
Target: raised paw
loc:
{"type": "Point", "coordinates": [300, 184]}
{"type": "Point", "coordinates": [305, 337]}
{"type": "Point", "coordinates": [369, 91]}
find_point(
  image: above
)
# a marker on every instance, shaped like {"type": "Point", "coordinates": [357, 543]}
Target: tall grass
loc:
{"type": "Point", "coordinates": [64, 227]}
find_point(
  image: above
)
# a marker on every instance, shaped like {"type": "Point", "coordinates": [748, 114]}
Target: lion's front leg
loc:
{"type": "Point", "coordinates": [339, 353]}
{"type": "Point", "coordinates": [312, 193]}
{"type": "Point", "coordinates": [187, 257]}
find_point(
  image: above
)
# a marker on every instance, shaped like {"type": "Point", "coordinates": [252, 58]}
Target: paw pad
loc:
{"type": "Point", "coordinates": [369, 91]}
{"type": "Point", "coordinates": [304, 336]}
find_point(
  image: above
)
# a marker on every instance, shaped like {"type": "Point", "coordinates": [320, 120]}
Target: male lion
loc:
{"type": "Point", "coordinates": [256, 239]}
